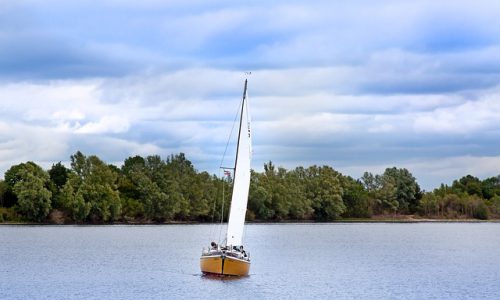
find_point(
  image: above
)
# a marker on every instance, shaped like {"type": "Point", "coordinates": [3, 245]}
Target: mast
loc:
{"type": "Point", "coordinates": [239, 130]}
{"type": "Point", "coordinates": [241, 182]}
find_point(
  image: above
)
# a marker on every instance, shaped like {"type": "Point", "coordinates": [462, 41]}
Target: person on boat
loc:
{"type": "Point", "coordinates": [243, 251]}
{"type": "Point", "coordinates": [214, 245]}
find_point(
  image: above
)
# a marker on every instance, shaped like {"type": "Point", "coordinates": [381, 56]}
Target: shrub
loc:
{"type": "Point", "coordinates": [9, 215]}
{"type": "Point", "coordinates": [481, 211]}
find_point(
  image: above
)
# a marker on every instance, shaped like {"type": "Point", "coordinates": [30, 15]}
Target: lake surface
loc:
{"type": "Point", "coordinates": [296, 261]}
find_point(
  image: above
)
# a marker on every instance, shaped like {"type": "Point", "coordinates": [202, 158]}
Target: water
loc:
{"type": "Point", "coordinates": [296, 261]}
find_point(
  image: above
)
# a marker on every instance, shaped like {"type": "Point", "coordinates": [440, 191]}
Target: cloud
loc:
{"type": "Point", "coordinates": [355, 85]}
{"type": "Point", "coordinates": [162, 114]}
{"type": "Point", "coordinates": [51, 120]}
{"type": "Point", "coordinates": [111, 124]}
{"type": "Point", "coordinates": [471, 117]}
{"type": "Point", "coordinates": [21, 143]}
{"type": "Point", "coordinates": [86, 39]}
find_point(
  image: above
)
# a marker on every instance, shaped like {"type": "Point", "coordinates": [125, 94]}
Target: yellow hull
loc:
{"type": "Point", "coordinates": [226, 265]}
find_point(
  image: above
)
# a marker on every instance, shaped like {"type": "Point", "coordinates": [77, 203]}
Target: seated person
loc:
{"type": "Point", "coordinates": [213, 245]}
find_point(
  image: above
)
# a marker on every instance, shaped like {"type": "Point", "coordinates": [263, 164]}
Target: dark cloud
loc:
{"type": "Point", "coordinates": [86, 39]}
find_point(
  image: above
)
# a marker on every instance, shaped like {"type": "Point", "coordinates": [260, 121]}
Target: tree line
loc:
{"type": "Point", "coordinates": [150, 189]}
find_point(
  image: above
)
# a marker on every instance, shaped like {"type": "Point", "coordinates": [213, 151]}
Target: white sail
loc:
{"type": "Point", "coordinates": [241, 183]}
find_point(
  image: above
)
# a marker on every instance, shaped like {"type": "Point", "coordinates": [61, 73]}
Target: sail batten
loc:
{"type": "Point", "coordinates": [241, 182]}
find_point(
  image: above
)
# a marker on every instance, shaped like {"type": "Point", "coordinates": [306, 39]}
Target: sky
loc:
{"type": "Point", "coordinates": [358, 85]}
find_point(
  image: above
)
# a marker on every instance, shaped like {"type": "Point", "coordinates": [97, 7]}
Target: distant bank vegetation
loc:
{"type": "Point", "coordinates": [149, 189]}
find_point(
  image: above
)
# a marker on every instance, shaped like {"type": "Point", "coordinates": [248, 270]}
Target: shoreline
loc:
{"type": "Point", "coordinates": [292, 222]}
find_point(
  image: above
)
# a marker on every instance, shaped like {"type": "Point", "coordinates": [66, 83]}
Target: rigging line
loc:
{"type": "Point", "coordinates": [222, 211]}
{"type": "Point", "coordinates": [230, 134]}
{"type": "Point", "coordinates": [215, 203]}
{"type": "Point", "coordinates": [244, 233]}
{"type": "Point", "coordinates": [213, 227]}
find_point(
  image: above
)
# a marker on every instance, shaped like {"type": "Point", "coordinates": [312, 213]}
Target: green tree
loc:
{"type": "Point", "coordinates": [72, 201]}
{"type": "Point", "coordinates": [386, 193]}
{"type": "Point", "coordinates": [356, 199]}
{"type": "Point", "coordinates": [133, 163]}
{"type": "Point", "coordinates": [59, 174]}
{"type": "Point", "coordinates": [29, 185]}
{"type": "Point", "coordinates": [325, 191]}
{"type": "Point", "coordinates": [3, 190]}
{"type": "Point", "coordinates": [468, 184]}
{"type": "Point", "coordinates": [259, 200]}
{"type": "Point", "coordinates": [167, 190]}
{"type": "Point", "coordinates": [478, 207]}
{"type": "Point", "coordinates": [447, 201]}
{"type": "Point", "coordinates": [99, 188]}
{"type": "Point", "coordinates": [202, 194]}
{"type": "Point", "coordinates": [495, 205]}
{"type": "Point", "coordinates": [407, 189]}
{"type": "Point", "coordinates": [183, 183]}
{"type": "Point", "coordinates": [95, 183]}
{"type": "Point", "coordinates": [369, 182]}
{"type": "Point", "coordinates": [300, 207]}
{"type": "Point", "coordinates": [429, 204]}
{"type": "Point", "coordinates": [280, 199]}
{"type": "Point", "coordinates": [132, 207]}
{"type": "Point", "coordinates": [490, 187]}
{"type": "Point", "coordinates": [157, 204]}
{"type": "Point", "coordinates": [273, 192]}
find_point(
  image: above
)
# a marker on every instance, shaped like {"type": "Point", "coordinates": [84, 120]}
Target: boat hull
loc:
{"type": "Point", "coordinates": [224, 265]}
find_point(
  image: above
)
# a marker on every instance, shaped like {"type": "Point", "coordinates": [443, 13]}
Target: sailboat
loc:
{"type": "Point", "coordinates": [230, 258]}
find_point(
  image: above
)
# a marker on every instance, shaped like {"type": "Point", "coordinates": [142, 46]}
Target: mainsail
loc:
{"type": "Point", "coordinates": [241, 182]}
